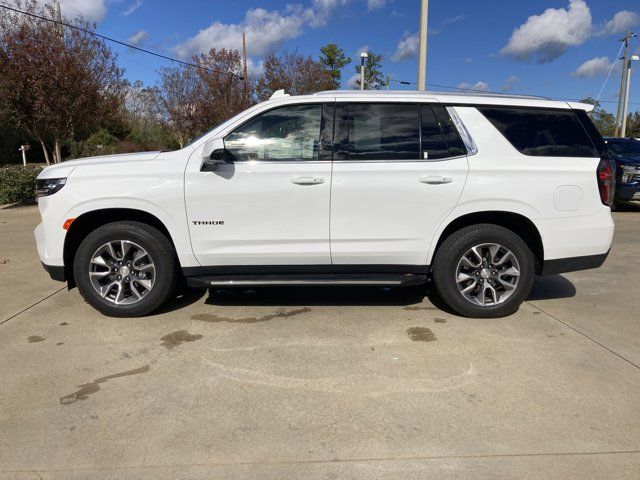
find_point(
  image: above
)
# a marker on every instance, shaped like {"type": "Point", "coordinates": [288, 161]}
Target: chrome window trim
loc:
{"type": "Point", "coordinates": [417, 160]}
{"type": "Point", "coordinates": [471, 146]}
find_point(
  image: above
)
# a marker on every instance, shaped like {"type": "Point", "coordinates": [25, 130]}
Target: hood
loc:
{"type": "Point", "coordinates": [65, 168]}
{"type": "Point", "coordinates": [627, 159]}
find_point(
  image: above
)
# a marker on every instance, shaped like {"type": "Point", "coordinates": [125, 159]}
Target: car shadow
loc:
{"type": "Point", "coordinates": [183, 297]}
{"type": "Point", "coordinates": [627, 207]}
{"type": "Point", "coordinates": [551, 287]}
{"type": "Point", "coordinates": [316, 296]}
{"type": "Point", "coordinates": [544, 288]}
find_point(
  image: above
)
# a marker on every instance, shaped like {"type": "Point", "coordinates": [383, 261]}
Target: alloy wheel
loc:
{"type": "Point", "coordinates": [487, 274]}
{"type": "Point", "coordinates": [122, 272]}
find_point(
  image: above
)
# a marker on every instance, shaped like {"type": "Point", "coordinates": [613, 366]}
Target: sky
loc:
{"type": "Point", "coordinates": [556, 48]}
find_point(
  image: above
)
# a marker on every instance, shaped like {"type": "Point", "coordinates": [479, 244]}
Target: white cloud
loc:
{"type": "Point", "coordinates": [265, 29]}
{"type": "Point", "coordinates": [478, 86]}
{"type": "Point", "coordinates": [254, 68]}
{"type": "Point", "coordinates": [438, 29]}
{"type": "Point", "coordinates": [138, 37]}
{"type": "Point", "coordinates": [133, 7]}
{"type": "Point", "coordinates": [546, 36]}
{"type": "Point", "coordinates": [407, 47]}
{"type": "Point", "coordinates": [621, 22]}
{"type": "Point", "coordinates": [592, 68]}
{"type": "Point", "coordinates": [510, 83]}
{"type": "Point", "coordinates": [375, 4]}
{"type": "Point", "coordinates": [91, 10]}
{"type": "Point", "coordinates": [351, 83]}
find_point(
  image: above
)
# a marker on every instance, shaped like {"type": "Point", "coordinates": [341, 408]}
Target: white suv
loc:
{"type": "Point", "coordinates": [477, 192]}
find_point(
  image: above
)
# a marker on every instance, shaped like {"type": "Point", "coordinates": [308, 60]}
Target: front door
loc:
{"type": "Point", "coordinates": [399, 170]}
{"type": "Point", "coordinates": [270, 205]}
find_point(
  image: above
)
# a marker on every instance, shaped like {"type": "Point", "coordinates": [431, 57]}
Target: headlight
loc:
{"type": "Point", "coordinates": [49, 186]}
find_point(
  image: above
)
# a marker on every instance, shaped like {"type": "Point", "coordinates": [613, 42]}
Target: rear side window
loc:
{"type": "Point", "coordinates": [542, 132]}
{"type": "Point", "coordinates": [440, 139]}
{"type": "Point", "coordinates": [382, 131]}
{"type": "Point", "coordinates": [594, 134]}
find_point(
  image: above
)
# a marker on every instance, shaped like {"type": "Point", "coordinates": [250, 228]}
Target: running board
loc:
{"type": "Point", "coordinates": [383, 280]}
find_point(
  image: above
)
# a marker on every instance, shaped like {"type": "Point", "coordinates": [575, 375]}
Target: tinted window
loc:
{"type": "Point", "coordinates": [539, 132]}
{"type": "Point", "coordinates": [287, 133]}
{"type": "Point", "coordinates": [593, 132]}
{"type": "Point", "coordinates": [383, 131]}
{"type": "Point", "coordinates": [440, 139]}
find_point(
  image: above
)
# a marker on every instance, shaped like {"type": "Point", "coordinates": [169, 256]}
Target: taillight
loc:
{"type": "Point", "coordinates": [606, 182]}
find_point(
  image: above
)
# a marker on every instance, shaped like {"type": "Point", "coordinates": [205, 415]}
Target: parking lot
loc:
{"type": "Point", "coordinates": [320, 383]}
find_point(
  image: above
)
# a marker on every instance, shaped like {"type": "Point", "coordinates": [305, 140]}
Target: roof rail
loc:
{"type": "Point", "coordinates": [278, 94]}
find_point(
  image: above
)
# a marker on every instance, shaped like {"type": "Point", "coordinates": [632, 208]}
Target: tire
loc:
{"type": "Point", "coordinates": [450, 271]}
{"type": "Point", "coordinates": [147, 288]}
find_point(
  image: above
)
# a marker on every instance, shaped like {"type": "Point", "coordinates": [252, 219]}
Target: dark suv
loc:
{"type": "Point", "coordinates": [625, 152]}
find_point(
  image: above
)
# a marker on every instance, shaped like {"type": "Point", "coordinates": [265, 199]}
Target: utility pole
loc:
{"type": "Point", "coordinates": [59, 19]}
{"type": "Point", "coordinates": [422, 51]}
{"type": "Point", "coordinates": [623, 96]}
{"type": "Point", "coordinates": [245, 84]}
{"type": "Point", "coordinates": [625, 108]}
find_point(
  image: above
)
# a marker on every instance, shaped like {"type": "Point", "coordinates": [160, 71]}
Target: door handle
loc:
{"type": "Point", "coordinates": [307, 180]}
{"type": "Point", "coordinates": [436, 180]}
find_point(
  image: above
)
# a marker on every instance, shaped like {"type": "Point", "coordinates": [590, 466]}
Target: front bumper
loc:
{"type": "Point", "coordinates": [56, 272]}
{"type": "Point", "coordinates": [628, 192]}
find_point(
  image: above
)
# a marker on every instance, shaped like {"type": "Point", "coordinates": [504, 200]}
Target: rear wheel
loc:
{"type": "Point", "coordinates": [483, 271]}
{"type": "Point", "coordinates": [125, 269]}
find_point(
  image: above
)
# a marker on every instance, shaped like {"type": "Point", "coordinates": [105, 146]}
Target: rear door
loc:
{"type": "Point", "coordinates": [398, 170]}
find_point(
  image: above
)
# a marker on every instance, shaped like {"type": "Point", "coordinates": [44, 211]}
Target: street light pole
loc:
{"type": "Point", "coordinates": [363, 59]}
{"type": "Point", "coordinates": [422, 51]}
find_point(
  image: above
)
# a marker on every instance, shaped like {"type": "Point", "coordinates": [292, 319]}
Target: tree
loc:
{"type": "Point", "coordinates": [295, 73]}
{"type": "Point", "coordinates": [221, 74]}
{"type": "Point", "coordinates": [183, 98]}
{"type": "Point", "coordinates": [633, 125]}
{"type": "Point", "coordinates": [373, 77]}
{"type": "Point", "coordinates": [333, 59]}
{"type": "Point", "coordinates": [605, 121]}
{"type": "Point", "coordinates": [57, 84]}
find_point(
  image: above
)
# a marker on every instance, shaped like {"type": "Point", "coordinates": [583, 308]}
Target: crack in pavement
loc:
{"type": "Point", "coordinates": [610, 350]}
{"type": "Point", "coordinates": [32, 305]}
{"type": "Point", "coordinates": [340, 460]}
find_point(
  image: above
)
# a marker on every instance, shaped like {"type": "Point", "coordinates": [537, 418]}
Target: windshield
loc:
{"type": "Point", "coordinates": [625, 148]}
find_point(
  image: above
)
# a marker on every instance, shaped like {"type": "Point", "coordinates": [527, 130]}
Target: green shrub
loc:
{"type": "Point", "coordinates": [17, 183]}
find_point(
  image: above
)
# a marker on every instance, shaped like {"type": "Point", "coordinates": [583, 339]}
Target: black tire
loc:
{"type": "Point", "coordinates": [159, 249]}
{"type": "Point", "coordinates": [456, 245]}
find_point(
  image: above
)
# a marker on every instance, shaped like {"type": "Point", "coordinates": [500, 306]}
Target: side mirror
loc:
{"type": "Point", "coordinates": [213, 155]}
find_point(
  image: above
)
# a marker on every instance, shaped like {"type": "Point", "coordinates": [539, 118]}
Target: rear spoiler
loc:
{"type": "Point", "coordinates": [587, 107]}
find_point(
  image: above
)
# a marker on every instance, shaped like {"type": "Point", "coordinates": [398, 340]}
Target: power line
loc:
{"type": "Point", "coordinates": [119, 42]}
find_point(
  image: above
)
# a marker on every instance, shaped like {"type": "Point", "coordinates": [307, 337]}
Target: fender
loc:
{"type": "Point", "coordinates": [502, 205]}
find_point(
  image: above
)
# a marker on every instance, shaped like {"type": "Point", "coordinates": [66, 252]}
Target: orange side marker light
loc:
{"type": "Point", "coordinates": [67, 223]}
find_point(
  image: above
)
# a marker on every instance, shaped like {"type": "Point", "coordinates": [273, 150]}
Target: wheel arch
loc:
{"type": "Point", "coordinates": [89, 221]}
{"type": "Point", "coordinates": [517, 223]}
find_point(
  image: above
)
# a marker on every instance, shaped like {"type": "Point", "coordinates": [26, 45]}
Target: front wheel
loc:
{"type": "Point", "coordinates": [483, 271]}
{"type": "Point", "coordinates": [125, 269]}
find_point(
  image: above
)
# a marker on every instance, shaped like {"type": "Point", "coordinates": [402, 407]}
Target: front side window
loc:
{"type": "Point", "coordinates": [288, 133]}
{"type": "Point", "coordinates": [542, 132]}
{"type": "Point", "coordinates": [383, 131]}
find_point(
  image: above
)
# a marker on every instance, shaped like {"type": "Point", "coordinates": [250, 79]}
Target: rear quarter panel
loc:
{"type": "Point", "coordinates": [558, 194]}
